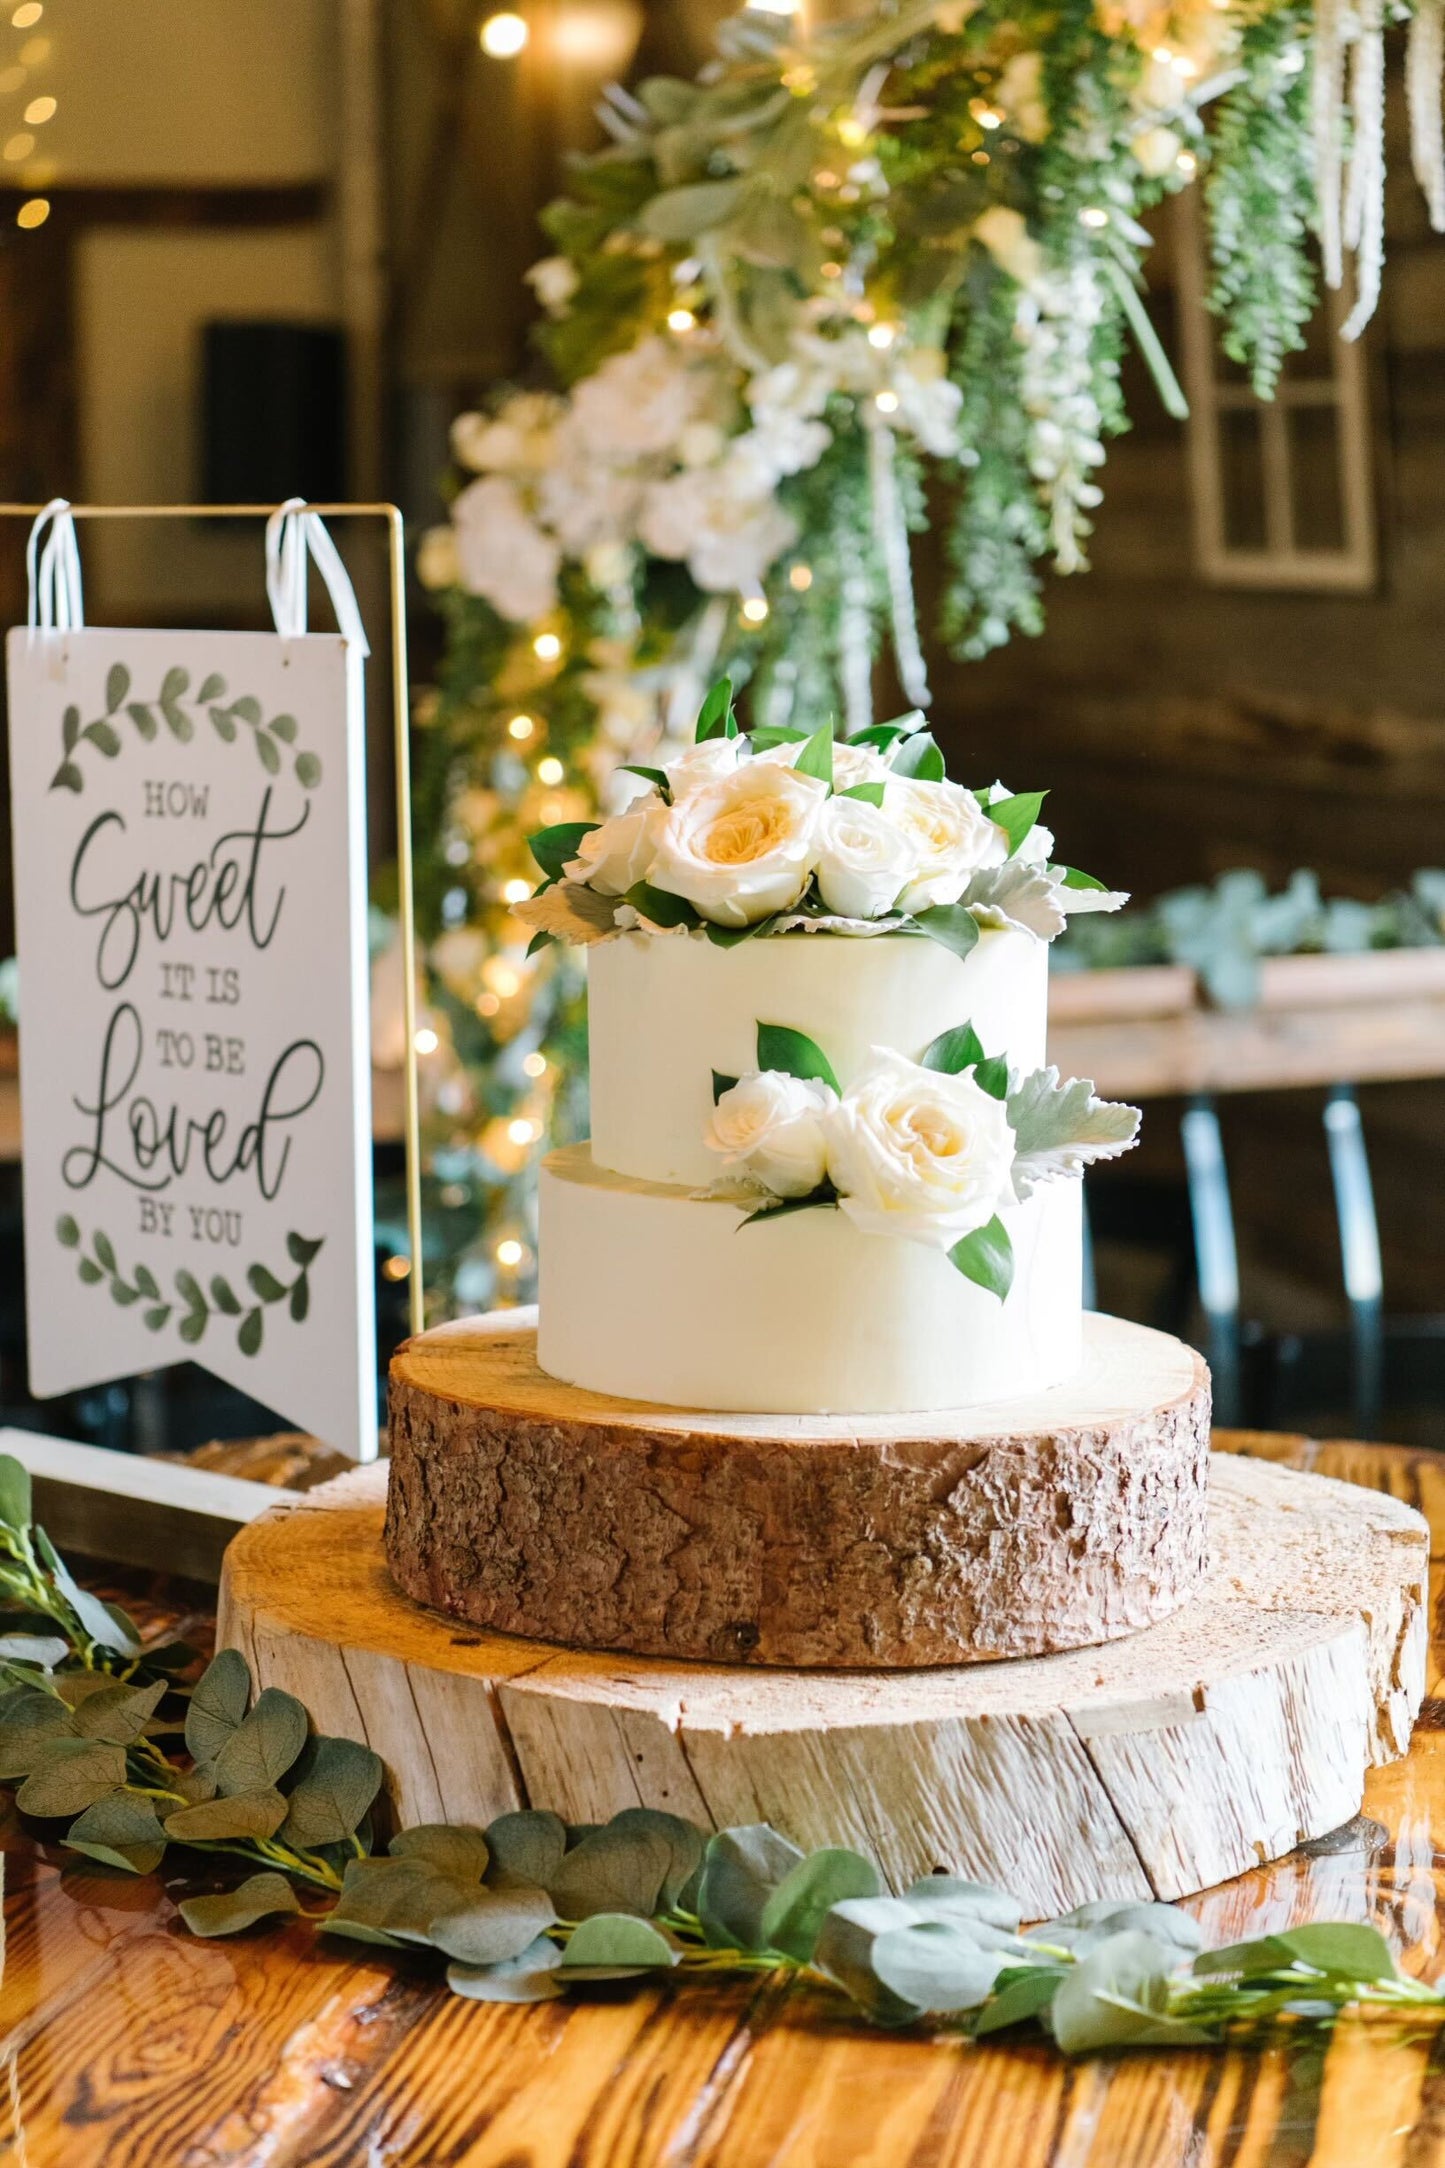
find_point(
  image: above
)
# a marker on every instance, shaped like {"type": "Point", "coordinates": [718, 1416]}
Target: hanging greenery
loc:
{"type": "Point", "coordinates": [846, 279]}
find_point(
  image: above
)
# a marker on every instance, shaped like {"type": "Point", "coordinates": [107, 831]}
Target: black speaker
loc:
{"type": "Point", "coordinates": [274, 413]}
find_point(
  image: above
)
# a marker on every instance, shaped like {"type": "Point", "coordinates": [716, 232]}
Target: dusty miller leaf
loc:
{"type": "Point", "coordinates": [1017, 894]}
{"type": "Point", "coordinates": [1063, 1128]}
{"type": "Point", "coordinates": [571, 911]}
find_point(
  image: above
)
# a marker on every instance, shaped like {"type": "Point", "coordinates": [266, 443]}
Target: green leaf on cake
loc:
{"type": "Point", "coordinates": [717, 719]}
{"type": "Point", "coordinates": [780, 1207]}
{"type": "Point", "coordinates": [656, 776]}
{"type": "Point", "coordinates": [992, 1077]}
{"type": "Point", "coordinates": [950, 924]}
{"type": "Point", "coordinates": [1017, 815]}
{"type": "Point", "coordinates": [883, 735]}
{"type": "Point", "coordinates": [866, 793]}
{"type": "Point", "coordinates": [780, 1047]}
{"type": "Point", "coordinates": [555, 847]}
{"type": "Point", "coordinates": [816, 758]}
{"type": "Point", "coordinates": [660, 906]}
{"type": "Point", "coordinates": [986, 1257]}
{"type": "Point", "coordinates": [954, 1051]}
{"type": "Point", "coordinates": [721, 1084]}
{"type": "Point", "coordinates": [1073, 878]}
{"type": "Point", "coordinates": [920, 757]}
{"type": "Point", "coordinates": [1063, 1128]}
{"type": "Point", "coordinates": [767, 735]}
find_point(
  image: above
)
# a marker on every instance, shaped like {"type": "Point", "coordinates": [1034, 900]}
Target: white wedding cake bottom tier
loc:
{"type": "Point", "coordinates": [650, 1293]}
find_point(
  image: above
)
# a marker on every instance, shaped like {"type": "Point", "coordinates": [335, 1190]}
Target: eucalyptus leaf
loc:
{"type": "Point", "coordinates": [456, 1850]}
{"type": "Point", "coordinates": [99, 1621]}
{"type": "Point", "coordinates": [47, 1650]}
{"type": "Point", "coordinates": [935, 1965]}
{"type": "Point", "coordinates": [118, 1713]}
{"type": "Point", "coordinates": [741, 1868]}
{"type": "Point", "coordinates": [217, 1704]}
{"type": "Point", "coordinates": [530, 1976]}
{"type": "Point", "coordinates": [1019, 1996]}
{"type": "Point", "coordinates": [794, 1914]}
{"type": "Point", "coordinates": [70, 1775]}
{"type": "Point", "coordinates": [845, 1953]}
{"type": "Point", "coordinates": [333, 1783]}
{"type": "Point", "coordinates": [497, 1924]}
{"type": "Point", "coordinates": [263, 1746]}
{"type": "Point", "coordinates": [1345, 1950]}
{"type": "Point", "coordinates": [398, 1897]}
{"type": "Point", "coordinates": [937, 1894]}
{"type": "Point", "coordinates": [615, 1946]}
{"type": "Point", "coordinates": [120, 1830]}
{"type": "Point", "coordinates": [29, 1721]}
{"type": "Point", "coordinates": [684, 1840]}
{"type": "Point", "coordinates": [612, 1871]}
{"type": "Point", "coordinates": [1082, 1929]}
{"type": "Point", "coordinates": [526, 1847]}
{"type": "Point", "coordinates": [1118, 1997]}
{"type": "Point", "coordinates": [259, 1897]}
{"type": "Point", "coordinates": [220, 1821]}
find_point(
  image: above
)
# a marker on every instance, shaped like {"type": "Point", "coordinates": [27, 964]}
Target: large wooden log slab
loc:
{"type": "Point", "coordinates": [1161, 1764]}
{"type": "Point", "coordinates": [539, 1508]}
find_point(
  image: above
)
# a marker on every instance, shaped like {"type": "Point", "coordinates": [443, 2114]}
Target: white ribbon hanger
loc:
{"type": "Point", "coordinates": [292, 535]}
{"type": "Point", "coordinates": [56, 603]}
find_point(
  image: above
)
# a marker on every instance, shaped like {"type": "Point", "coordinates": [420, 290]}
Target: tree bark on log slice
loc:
{"type": "Point", "coordinates": [1156, 1766]}
{"type": "Point", "coordinates": [542, 1509]}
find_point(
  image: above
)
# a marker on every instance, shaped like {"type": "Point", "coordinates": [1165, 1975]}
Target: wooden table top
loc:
{"type": "Point", "coordinates": [123, 2041]}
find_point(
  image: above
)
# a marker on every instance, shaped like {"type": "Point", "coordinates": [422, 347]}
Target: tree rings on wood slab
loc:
{"type": "Point", "coordinates": [1016, 1529]}
{"type": "Point", "coordinates": [1153, 1766]}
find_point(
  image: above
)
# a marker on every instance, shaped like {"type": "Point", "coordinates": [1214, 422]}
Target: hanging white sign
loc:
{"type": "Point", "coordinates": [190, 880]}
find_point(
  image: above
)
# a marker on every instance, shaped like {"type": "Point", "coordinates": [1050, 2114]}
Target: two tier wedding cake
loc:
{"type": "Point", "coordinates": [829, 1171]}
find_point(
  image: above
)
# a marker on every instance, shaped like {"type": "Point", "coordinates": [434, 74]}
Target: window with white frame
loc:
{"type": "Point", "coordinates": [1282, 489]}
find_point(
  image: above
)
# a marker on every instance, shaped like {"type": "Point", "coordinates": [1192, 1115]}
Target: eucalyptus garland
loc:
{"type": "Point", "coordinates": [103, 1734]}
{"type": "Point", "coordinates": [852, 279]}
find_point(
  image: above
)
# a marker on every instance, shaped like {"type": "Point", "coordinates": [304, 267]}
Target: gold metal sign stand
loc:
{"type": "Point", "coordinates": [401, 727]}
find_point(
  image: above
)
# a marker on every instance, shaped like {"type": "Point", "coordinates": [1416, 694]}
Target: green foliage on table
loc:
{"type": "Point", "coordinates": [1226, 931]}
{"type": "Point", "coordinates": [528, 1907]}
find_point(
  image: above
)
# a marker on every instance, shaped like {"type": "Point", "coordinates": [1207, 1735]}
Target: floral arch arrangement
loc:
{"type": "Point", "coordinates": [843, 267]}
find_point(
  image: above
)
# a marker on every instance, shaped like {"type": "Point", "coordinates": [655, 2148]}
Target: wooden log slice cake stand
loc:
{"type": "Point", "coordinates": [1156, 1764]}
{"type": "Point", "coordinates": [1036, 1525]}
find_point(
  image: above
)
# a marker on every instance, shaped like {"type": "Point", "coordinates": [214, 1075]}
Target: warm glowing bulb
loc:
{"type": "Point", "coordinates": [516, 891]}
{"type": "Point", "coordinates": [853, 133]}
{"type": "Point", "coordinates": [487, 1004]}
{"type": "Point", "coordinates": [19, 146]}
{"type": "Point", "coordinates": [1163, 55]}
{"type": "Point", "coordinates": [681, 320]}
{"type": "Point", "coordinates": [800, 579]}
{"type": "Point", "coordinates": [504, 979]}
{"type": "Point", "coordinates": [521, 726]}
{"type": "Point", "coordinates": [27, 15]}
{"type": "Point", "coordinates": [1093, 216]}
{"type": "Point", "coordinates": [887, 402]}
{"type": "Point", "coordinates": [35, 52]}
{"type": "Point", "coordinates": [1187, 164]}
{"type": "Point", "coordinates": [503, 36]}
{"type": "Point", "coordinates": [32, 214]}
{"type": "Point", "coordinates": [832, 270]}
{"type": "Point", "coordinates": [882, 335]}
{"type": "Point", "coordinates": [397, 1268]}
{"type": "Point", "coordinates": [550, 771]}
{"type": "Point", "coordinates": [535, 1065]}
{"type": "Point", "coordinates": [774, 7]}
{"type": "Point", "coordinates": [546, 647]}
{"type": "Point", "coordinates": [987, 116]}
{"type": "Point", "coordinates": [39, 111]}
{"type": "Point", "coordinates": [521, 1131]}
{"type": "Point", "coordinates": [755, 610]}
{"type": "Point", "coordinates": [509, 1253]}
{"type": "Point", "coordinates": [426, 1040]}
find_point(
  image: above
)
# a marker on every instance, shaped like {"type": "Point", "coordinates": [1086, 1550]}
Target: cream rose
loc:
{"type": "Point", "coordinates": [851, 763]}
{"type": "Point", "coordinates": [618, 854]}
{"type": "Point", "coordinates": [705, 763]}
{"type": "Point", "coordinates": [865, 861]}
{"type": "Point", "coordinates": [949, 834]}
{"type": "Point", "coordinates": [913, 1152]}
{"type": "Point", "coordinates": [770, 1126]}
{"type": "Point", "coordinates": [743, 847]}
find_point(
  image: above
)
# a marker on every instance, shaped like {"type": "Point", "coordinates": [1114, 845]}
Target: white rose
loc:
{"type": "Point", "coordinates": [502, 554]}
{"type": "Point", "coordinates": [913, 1152]}
{"type": "Point", "coordinates": [864, 860]}
{"type": "Point", "coordinates": [705, 763]}
{"type": "Point", "coordinates": [851, 763]}
{"type": "Point", "coordinates": [437, 564]}
{"type": "Point", "coordinates": [770, 1126]}
{"type": "Point", "coordinates": [950, 835]}
{"type": "Point", "coordinates": [741, 848]}
{"type": "Point", "coordinates": [554, 281]}
{"type": "Point", "coordinates": [618, 854]}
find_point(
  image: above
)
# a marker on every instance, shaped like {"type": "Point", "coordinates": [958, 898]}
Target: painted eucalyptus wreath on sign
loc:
{"type": "Point", "coordinates": [850, 279]}
{"type": "Point", "coordinates": [103, 1735]}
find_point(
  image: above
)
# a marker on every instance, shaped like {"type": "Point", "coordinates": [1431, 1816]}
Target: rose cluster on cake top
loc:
{"type": "Point", "coordinates": [779, 831]}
